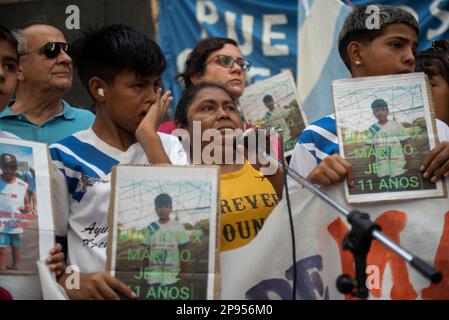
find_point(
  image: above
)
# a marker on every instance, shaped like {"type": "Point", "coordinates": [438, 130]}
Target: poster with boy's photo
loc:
{"type": "Point", "coordinates": [386, 127]}
{"type": "Point", "coordinates": [163, 231]}
{"type": "Point", "coordinates": [274, 103]}
{"type": "Point", "coordinates": [26, 220]}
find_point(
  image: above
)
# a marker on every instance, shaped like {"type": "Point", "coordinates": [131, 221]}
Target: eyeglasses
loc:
{"type": "Point", "coordinates": [51, 49]}
{"type": "Point", "coordinates": [228, 62]}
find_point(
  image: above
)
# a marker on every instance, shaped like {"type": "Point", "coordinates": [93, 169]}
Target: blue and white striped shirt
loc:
{"type": "Point", "coordinates": [316, 142]}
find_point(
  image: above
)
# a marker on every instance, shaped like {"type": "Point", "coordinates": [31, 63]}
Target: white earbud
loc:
{"type": "Point", "coordinates": [100, 92]}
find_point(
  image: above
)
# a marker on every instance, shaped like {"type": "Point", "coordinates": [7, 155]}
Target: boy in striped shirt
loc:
{"type": "Point", "coordinates": [121, 70]}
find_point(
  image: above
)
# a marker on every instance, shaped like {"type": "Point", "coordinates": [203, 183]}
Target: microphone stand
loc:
{"type": "Point", "coordinates": [358, 239]}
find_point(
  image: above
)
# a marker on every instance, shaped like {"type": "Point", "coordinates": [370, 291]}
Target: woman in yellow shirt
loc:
{"type": "Point", "coordinates": [247, 196]}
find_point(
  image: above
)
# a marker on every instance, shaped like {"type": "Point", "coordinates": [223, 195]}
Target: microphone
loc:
{"type": "Point", "coordinates": [251, 140]}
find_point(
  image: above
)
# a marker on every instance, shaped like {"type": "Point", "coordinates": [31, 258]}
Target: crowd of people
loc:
{"type": "Point", "coordinates": [121, 70]}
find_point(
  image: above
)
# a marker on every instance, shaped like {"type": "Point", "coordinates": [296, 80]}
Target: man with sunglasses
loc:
{"type": "Point", "coordinates": [45, 75]}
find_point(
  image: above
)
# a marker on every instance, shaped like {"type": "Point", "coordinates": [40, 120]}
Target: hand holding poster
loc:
{"type": "Point", "coordinates": [386, 128]}
{"type": "Point", "coordinates": [273, 103]}
{"type": "Point", "coordinates": [163, 238]}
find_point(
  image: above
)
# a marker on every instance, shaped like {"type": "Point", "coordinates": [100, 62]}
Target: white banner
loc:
{"type": "Point", "coordinates": [263, 268]}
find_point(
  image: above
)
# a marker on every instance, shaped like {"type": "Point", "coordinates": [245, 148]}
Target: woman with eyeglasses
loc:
{"type": "Point", "coordinates": [214, 59]}
{"type": "Point", "coordinates": [218, 60]}
{"type": "Point", "coordinates": [214, 79]}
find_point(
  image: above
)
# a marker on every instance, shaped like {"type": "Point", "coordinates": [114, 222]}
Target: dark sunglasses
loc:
{"type": "Point", "coordinates": [228, 62]}
{"type": "Point", "coordinates": [51, 49]}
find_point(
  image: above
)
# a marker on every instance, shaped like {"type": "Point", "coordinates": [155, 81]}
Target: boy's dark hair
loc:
{"type": "Point", "coordinates": [267, 98]}
{"type": "Point", "coordinates": [7, 159]}
{"type": "Point", "coordinates": [188, 95]}
{"type": "Point", "coordinates": [163, 198]}
{"type": "Point", "coordinates": [6, 35]}
{"type": "Point", "coordinates": [196, 61]}
{"type": "Point", "coordinates": [435, 60]}
{"type": "Point", "coordinates": [114, 49]}
{"type": "Point", "coordinates": [379, 104]}
{"type": "Point", "coordinates": [355, 27]}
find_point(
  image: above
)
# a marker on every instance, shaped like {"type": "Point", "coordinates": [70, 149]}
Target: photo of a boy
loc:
{"type": "Point", "coordinates": [387, 137]}
{"type": "Point", "coordinates": [165, 239]}
{"type": "Point", "coordinates": [14, 200]}
{"type": "Point", "coordinates": [269, 103]}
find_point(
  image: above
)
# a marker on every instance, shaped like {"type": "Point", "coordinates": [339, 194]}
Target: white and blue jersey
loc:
{"type": "Point", "coordinates": [81, 181]}
{"type": "Point", "coordinates": [319, 140]}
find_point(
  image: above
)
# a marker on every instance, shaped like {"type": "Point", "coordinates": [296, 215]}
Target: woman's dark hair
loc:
{"type": "Point", "coordinates": [189, 94]}
{"type": "Point", "coordinates": [114, 49]}
{"type": "Point", "coordinates": [435, 60]}
{"type": "Point", "coordinates": [196, 61]}
{"type": "Point", "coordinates": [6, 35]}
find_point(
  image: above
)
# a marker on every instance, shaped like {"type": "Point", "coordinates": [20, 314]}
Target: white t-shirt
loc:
{"type": "Point", "coordinates": [387, 141]}
{"type": "Point", "coordinates": [81, 181]}
{"type": "Point", "coordinates": [12, 197]}
{"type": "Point", "coordinates": [163, 241]}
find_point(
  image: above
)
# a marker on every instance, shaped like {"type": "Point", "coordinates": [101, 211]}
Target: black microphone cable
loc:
{"type": "Point", "coordinates": [290, 216]}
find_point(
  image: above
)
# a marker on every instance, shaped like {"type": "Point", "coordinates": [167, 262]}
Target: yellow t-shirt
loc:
{"type": "Point", "coordinates": [247, 198]}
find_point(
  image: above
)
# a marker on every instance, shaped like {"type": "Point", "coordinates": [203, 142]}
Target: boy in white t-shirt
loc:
{"type": "Point", "coordinates": [387, 137]}
{"type": "Point", "coordinates": [13, 200]}
{"type": "Point", "coordinates": [121, 70]}
{"type": "Point", "coordinates": [165, 239]}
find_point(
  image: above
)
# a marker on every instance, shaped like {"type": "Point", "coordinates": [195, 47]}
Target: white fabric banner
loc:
{"type": "Point", "coordinates": [263, 268]}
